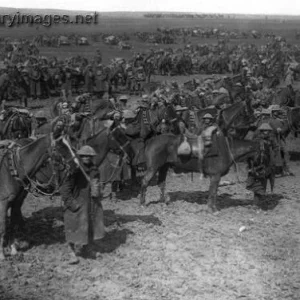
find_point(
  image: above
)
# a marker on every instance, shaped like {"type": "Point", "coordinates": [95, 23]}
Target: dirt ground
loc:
{"type": "Point", "coordinates": [169, 252]}
{"type": "Point", "coordinates": [175, 251]}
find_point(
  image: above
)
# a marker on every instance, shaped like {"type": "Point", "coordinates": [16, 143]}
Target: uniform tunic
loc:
{"type": "Point", "coordinates": [262, 169]}
{"type": "Point", "coordinates": [87, 223]}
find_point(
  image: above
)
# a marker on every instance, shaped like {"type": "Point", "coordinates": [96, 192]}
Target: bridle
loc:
{"type": "Point", "coordinates": [32, 185]}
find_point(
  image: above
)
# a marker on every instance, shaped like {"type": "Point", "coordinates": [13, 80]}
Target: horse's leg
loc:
{"type": "Point", "coordinates": [134, 182]}
{"type": "Point", "coordinates": [162, 175]}
{"type": "Point", "coordinates": [17, 221]}
{"type": "Point", "coordinates": [272, 181]}
{"type": "Point", "coordinates": [3, 213]}
{"type": "Point", "coordinates": [212, 194]}
{"type": "Point", "coordinates": [145, 182]}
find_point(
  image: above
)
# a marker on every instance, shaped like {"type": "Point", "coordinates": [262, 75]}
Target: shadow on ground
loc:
{"type": "Point", "coordinates": [45, 227]}
{"type": "Point", "coordinates": [225, 200]}
{"type": "Point", "coordinates": [294, 155]}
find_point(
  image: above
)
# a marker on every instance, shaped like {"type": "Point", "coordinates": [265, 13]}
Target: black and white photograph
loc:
{"type": "Point", "coordinates": [149, 150]}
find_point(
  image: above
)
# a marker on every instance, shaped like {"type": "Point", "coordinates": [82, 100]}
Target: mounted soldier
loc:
{"type": "Point", "coordinates": [181, 120]}
{"type": "Point", "coordinates": [208, 128]}
{"type": "Point", "coordinates": [83, 212]}
{"type": "Point", "coordinates": [41, 126]}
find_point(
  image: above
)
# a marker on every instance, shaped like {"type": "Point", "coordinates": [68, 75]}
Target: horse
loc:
{"type": "Point", "coordinates": [293, 120]}
{"type": "Point", "coordinates": [82, 127]}
{"type": "Point", "coordinates": [161, 153]}
{"type": "Point", "coordinates": [17, 168]}
{"type": "Point", "coordinates": [285, 97]}
{"type": "Point", "coordinates": [15, 124]}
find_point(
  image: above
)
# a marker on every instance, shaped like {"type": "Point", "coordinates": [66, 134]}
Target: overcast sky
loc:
{"type": "Point", "coordinates": [289, 7]}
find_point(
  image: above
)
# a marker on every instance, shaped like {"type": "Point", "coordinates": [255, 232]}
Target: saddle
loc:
{"type": "Point", "coordinates": [192, 145]}
{"type": "Point", "coordinates": [199, 146]}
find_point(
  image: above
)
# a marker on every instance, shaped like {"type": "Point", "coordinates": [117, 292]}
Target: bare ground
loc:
{"type": "Point", "coordinates": [175, 251]}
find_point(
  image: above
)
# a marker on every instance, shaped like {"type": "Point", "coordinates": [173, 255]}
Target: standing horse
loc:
{"type": "Point", "coordinates": [161, 153]}
{"type": "Point", "coordinates": [17, 167]}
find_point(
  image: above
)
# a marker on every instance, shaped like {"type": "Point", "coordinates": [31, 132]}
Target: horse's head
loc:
{"type": "Point", "coordinates": [62, 154]}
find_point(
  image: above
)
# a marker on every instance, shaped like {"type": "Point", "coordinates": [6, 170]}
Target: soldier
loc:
{"type": "Point", "coordinates": [182, 126]}
{"type": "Point", "coordinates": [101, 81]}
{"type": "Point", "coordinates": [65, 110]}
{"type": "Point", "coordinates": [89, 78]}
{"type": "Point", "coordinates": [279, 126]}
{"type": "Point", "coordinates": [129, 77]}
{"type": "Point", "coordinates": [262, 167]}
{"type": "Point", "coordinates": [83, 212]}
{"type": "Point", "coordinates": [35, 82]}
{"type": "Point", "coordinates": [41, 125]}
{"type": "Point", "coordinates": [208, 127]}
{"type": "Point", "coordinates": [67, 79]}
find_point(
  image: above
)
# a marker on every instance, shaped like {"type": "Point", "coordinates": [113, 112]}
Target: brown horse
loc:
{"type": "Point", "coordinates": [82, 128]}
{"type": "Point", "coordinates": [17, 167]}
{"type": "Point", "coordinates": [161, 153]}
{"type": "Point", "coordinates": [15, 124]}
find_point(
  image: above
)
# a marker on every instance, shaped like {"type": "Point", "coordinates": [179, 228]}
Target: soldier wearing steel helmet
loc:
{"type": "Point", "coordinates": [41, 125]}
{"type": "Point", "coordinates": [262, 167]}
{"type": "Point", "coordinates": [279, 126]}
{"type": "Point", "coordinates": [83, 212]}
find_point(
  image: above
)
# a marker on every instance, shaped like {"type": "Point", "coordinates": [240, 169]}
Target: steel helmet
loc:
{"type": "Point", "coordinates": [265, 126]}
{"type": "Point", "coordinates": [207, 116]}
{"type": "Point", "coordinates": [40, 115]}
{"type": "Point", "coordinates": [86, 151]}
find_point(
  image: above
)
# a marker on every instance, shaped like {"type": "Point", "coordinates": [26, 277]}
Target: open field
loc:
{"type": "Point", "coordinates": [174, 252]}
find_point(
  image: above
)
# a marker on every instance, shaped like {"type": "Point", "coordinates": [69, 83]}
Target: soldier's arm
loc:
{"type": "Point", "coordinates": [66, 190]}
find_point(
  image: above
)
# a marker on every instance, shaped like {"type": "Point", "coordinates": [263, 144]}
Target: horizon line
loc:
{"type": "Point", "coordinates": [154, 11]}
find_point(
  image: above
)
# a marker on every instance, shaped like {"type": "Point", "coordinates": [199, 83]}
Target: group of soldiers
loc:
{"type": "Point", "coordinates": [24, 75]}
{"type": "Point", "coordinates": [36, 77]}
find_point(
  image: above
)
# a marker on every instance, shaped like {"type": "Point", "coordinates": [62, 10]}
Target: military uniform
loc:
{"type": "Point", "coordinates": [83, 212]}
{"type": "Point", "coordinates": [278, 125]}
{"type": "Point", "coordinates": [263, 166]}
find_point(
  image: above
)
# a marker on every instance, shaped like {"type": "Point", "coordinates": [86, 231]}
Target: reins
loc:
{"type": "Point", "coordinates": [34, 187]}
